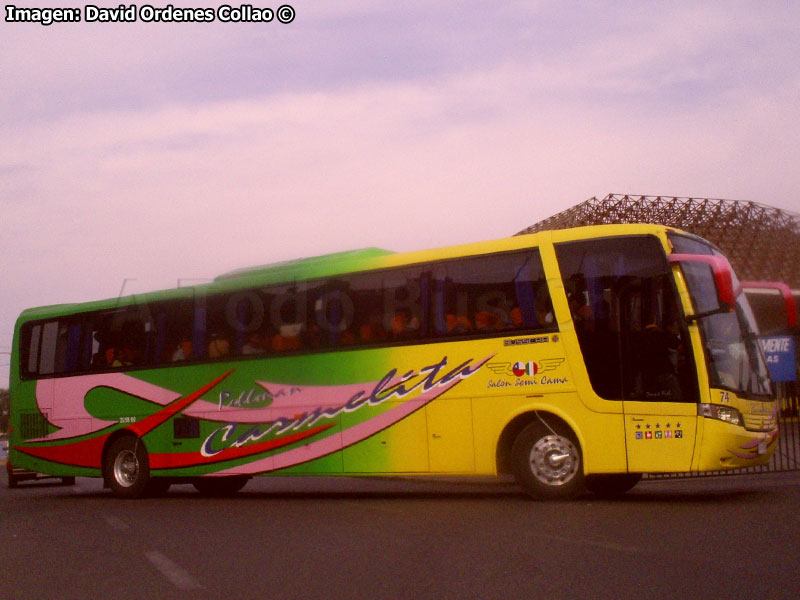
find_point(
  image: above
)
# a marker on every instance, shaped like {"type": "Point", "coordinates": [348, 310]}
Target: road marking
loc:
{"type": "Point", "coordinates": [177, 576]}
{"type": "Point", "coordinates": [115, 523]}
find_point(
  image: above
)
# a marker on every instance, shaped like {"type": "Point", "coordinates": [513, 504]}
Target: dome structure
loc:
{"type": "Point", "coordinates": [761, 242]}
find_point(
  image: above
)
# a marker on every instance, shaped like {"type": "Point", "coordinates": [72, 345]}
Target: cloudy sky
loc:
{"type": "Point", "coordinates": [137, 155]}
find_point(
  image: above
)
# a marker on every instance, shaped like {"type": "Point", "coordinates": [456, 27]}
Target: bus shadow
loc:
{"type": "Point", "coordinates": [686, 495]}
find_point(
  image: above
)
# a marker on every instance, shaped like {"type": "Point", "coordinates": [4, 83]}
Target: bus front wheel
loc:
{"type": "Point", "coordinates": [547, 462]}
{"type": "Point", "coordinates": [126, 468]}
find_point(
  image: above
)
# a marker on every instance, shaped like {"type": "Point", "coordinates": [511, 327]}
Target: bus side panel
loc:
{"type": "Point", "coordinates": [401, 448]}
{"type": "Point", "coordinates": [451, 447]}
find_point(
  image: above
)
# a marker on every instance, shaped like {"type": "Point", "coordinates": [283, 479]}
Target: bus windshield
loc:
{"type": "Point", "coordinates": [733, 356]}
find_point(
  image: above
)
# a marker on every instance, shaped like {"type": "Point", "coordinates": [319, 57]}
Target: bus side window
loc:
{"type": "Point", "coordinates": [72, 360]}
{"type": "Point", "coordinates": [366, 293]}
{"type": "Point", "coordinates": [105, 342]}
{"type": "Point", "coordinates": [220, 335]}
{"type": "Point", "coordinates": [47, 360]}
{"type": "Point", "coordinates": [171, 340]}
{"type": "Point", "coordinates": [524, 314]}
{"type": "Point", "coordinates": [489, 294]}
{"type": "Point", "coordinates": [33, 349]}
{"type": "Point", "coordinates": [132, 349]}
{"type": "Point", "coordinates": [403, 302]}
{"type": "Point", "coordinates": [333, 313]}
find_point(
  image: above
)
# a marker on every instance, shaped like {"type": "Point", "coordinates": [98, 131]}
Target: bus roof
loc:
{"type": "Point", "coordinates": [343, 262]}
{"type": "Point", "coordinates": [291, 266]}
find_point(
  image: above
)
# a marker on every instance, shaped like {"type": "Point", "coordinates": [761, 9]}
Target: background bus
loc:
{"type": "Point", "coordinates": [573, 359]}
{"type": "Point", "coordinates": [774, 306]}
{"type": "Point", "coordinates": [775, 310]}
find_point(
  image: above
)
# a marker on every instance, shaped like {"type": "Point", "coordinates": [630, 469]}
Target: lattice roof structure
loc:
{"type": "Point", "coordinates": [762, 242]}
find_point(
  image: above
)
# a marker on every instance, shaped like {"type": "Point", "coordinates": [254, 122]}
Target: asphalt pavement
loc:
{"type": "Point", "coordinates": [329, 538]}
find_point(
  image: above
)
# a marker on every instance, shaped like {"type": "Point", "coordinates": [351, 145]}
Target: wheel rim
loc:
{"type": "Point", "coordinates": [554, 460]}
{"type": "Point", "coordinates": [126, 468]}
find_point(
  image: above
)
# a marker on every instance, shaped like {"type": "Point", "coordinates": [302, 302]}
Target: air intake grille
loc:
{"type": "Point", "coordinates": [33, 425]}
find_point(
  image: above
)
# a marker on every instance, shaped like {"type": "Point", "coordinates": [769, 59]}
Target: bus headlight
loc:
{"type": "Point", "coordinates": [721, 413]}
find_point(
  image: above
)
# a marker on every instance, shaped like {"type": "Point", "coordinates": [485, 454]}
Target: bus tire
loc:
{"type": "Point", "coordinates": [611, 485]}
{"type": "Point", "coordinates": [68, 480]}
{"type": "Point", "coordinates": [126, 468]}
{"type": "Point", "coordinates": [220, 486]}
{"type": "Point", "coordinates": [547, 462]}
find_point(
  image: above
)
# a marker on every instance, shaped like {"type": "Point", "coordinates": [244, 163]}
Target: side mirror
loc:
{"type": "Point", "coordinates": [710, 281]}
{"type": "Point", "coordinates": [786, 294]}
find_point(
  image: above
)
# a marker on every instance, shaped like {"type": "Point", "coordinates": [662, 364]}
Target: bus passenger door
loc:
{"type": "Point", "coordinates": [636, 346]}
{"type": "Point", "coordinates": [659, 436]}
{"type": "Point", "coordinates": [658, 377]}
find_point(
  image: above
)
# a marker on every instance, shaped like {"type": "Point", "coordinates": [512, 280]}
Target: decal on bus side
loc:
{"type": "Point", "coordinates": [414, 388]}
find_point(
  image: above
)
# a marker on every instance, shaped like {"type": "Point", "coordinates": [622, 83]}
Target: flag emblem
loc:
{"type": "Point", "coordinates": [525, 368]}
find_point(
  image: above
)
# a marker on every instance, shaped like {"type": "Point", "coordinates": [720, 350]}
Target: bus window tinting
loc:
{"type": "Point", "coordinates": [627, 318]}
{"type": "Point", "coordinates": [490, 294]}
{"type": "Point", "coordinates": [487, 295]}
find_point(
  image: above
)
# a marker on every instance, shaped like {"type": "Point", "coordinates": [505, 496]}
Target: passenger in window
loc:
{"type": "Point", "coordinates": [403, 324]}
{"type": "Point", "coordinates": [372, 331]}
{"type": "Point", "coordinates": [346, 338]}
{"type": "Point", "coordinates": [579, 308]}
{"type": "Point", "coordinates": [106, 353]}
{"type": "Point", "coordinates": [106, 348]}
{"type": "Point", "coordinates": [219, 345]}
{"type": "Point", "coordinates": [131, 343]}
{"type": "Point", "coordinates": [485, 321]}
{"type": "Point", "coordinates": [254, 343]}
{"type": "Point", "coordinates": [581, 313]}
{"type": "Point", "coordinates": [104, 358]}
{"type": "Point", "coordinates": [183, 351]}
{"type": "Point", "coordinates": [498, 304]}
{"type": "Point", "coordinates": [458, 324]}
{"type": "Point", "coordinates": [288, 338]}
{"type": "Point", "coordinates": [127, 357]}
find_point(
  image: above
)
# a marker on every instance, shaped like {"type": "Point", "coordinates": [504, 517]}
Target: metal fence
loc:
{"type": "Point", "coordinates": [787, 455]}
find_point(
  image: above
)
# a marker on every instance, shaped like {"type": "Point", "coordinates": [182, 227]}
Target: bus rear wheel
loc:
{"type": "Point", "coordinates": [126, 468]}
{"type": "Point", "coordinates": [547, 462]}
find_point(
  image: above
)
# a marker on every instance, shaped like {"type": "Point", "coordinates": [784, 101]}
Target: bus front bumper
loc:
{"type": "Point", "coordinates": [727, 446]}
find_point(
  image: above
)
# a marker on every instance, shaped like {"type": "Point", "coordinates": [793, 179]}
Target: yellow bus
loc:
{"type": "Point", "coordinates": [575, 360]}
